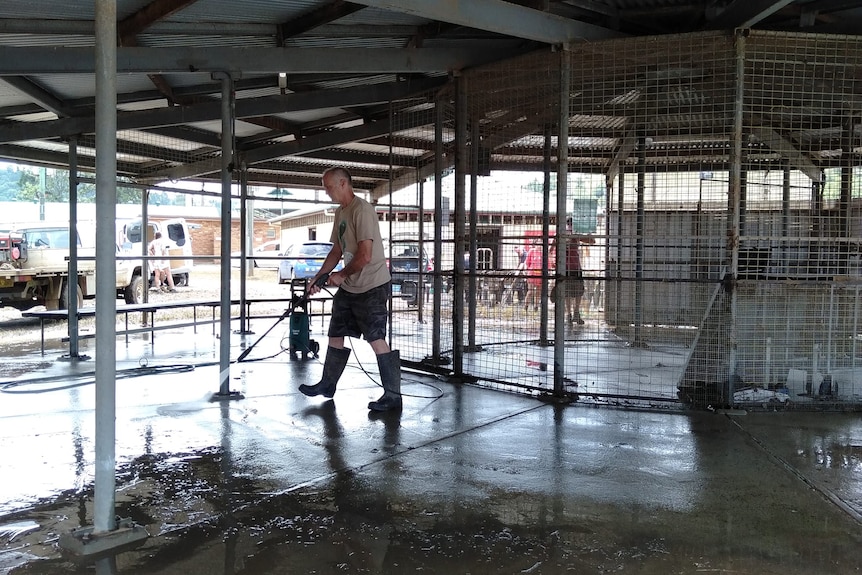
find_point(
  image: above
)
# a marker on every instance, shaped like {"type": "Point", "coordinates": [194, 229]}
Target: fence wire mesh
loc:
{"type": "Point", "coordinates": [712, 195]}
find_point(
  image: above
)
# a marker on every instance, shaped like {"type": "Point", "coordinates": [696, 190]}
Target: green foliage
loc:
{"type": "Point", "coordinates": [27, 184]}
{"type": "Point", "coordinates": [9, 184]}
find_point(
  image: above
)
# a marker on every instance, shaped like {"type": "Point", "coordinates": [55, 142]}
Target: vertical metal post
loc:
{"type": "Point", "coordinates": [439, 109]}
{"type": "Point", "coordinates": [391, 215]}
{"type": "Point", "coordinates": [145, 236]}
{"type": "Point", "coordinates": [734, 201]}
{"type": "Point", "coordinates": [227, 140]}
{"type": "Point", "coordinates": [472, 236]}
{"type": "Point", "coordinates": [104, 512]}
{"type": "Point", "coordinates": [245, 243]}
{"type": "Point", "coordinates": [743, 195]}
{"type": "Point", "coordinates": [72, 282]}
{"type": "Point", "coordinates": [461, 159]}
{"type": "Point", "coordinates": [562, 243]}
{"type": "Point", "coordinates": [846, 196]}
{"type": "Point", "coordinates": [639, 242]}
{"type": "Point", "coordinates": [546, 207]}
{"type": "Point", "coordinates": [785, 213]}
{"type": "Point", "coordinates": [420, 298]}
{"type": "Point", "coordinates": [42, 192]}
{"type": "Point", "coordinates": [618, 296]}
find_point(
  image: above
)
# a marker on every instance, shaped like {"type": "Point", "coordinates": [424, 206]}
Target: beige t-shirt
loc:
{"type": "Point", "coordinates": [353, 224]}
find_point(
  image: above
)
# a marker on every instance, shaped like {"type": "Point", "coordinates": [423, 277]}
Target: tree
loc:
{"type": "Point", "coordinates": [9, 185]}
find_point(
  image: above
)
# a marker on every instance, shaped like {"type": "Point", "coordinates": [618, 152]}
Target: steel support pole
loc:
{"type": "Point", "coordinates": [640, 222]}
{"type": "Point", "coordinates": [562, 245]}
{"type": "Point", "coordinates": [439, 106]}
{"type": "Point", "coordinates": [461, 163]}
{"type": "Point", "coordinates": [547, 163]}
{"type": "Point", "coordinates": [104, 512]}
{"type": "Point", "coordinates": [391, 217]}
{"type": "Point", "coordinates": [246, 235]}
{"type": "Point", "coordinates": [472, 237]}
{"type": "Point", "coordinates": [734, 200]}
{"type": "Point", "coordinates": [227, 141]}
{"type": "Point", "coordinates": [72, 282]}
{"type": "Point", "coordinates": [618, 264]}
{"type": "Point", "coordinates": [145, 241]}
{"type": "Point", "coordinates": [420, 299]}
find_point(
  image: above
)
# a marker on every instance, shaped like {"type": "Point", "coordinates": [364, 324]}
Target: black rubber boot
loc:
{"type": "Point", "coordinates": [333, 367]}
{"type": "Point", "coordinates": [390, 377]}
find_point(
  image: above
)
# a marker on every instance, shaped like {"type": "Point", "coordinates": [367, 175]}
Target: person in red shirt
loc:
{"type": "Point", "coordinates": [533, 269]}
{"type": "Point", "coordinates": [573, 282]}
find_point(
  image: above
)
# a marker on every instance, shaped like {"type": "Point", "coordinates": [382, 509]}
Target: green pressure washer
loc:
{"type": "Point", "coordinates": [299, 330]}
{"type": "Point", "coordinates": [299, 337]}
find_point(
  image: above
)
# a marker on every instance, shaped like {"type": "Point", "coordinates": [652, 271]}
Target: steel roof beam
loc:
{"type": "Point", "coordinates": [17, 61]}
{"type": "Point", "coordinates": [39, 95]}
{"type": "Point", "coordinates": [311, 20]}
{"type": "Point", "coordinates": [499, 17]}
{"type": "Point", "coordinates": [306, 145]}
{"type": "Point", "coordinates": [747, 13]}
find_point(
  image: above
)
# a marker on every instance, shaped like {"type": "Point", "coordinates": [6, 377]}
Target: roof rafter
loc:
{"type": "Point", "coordinates": [499, 17]}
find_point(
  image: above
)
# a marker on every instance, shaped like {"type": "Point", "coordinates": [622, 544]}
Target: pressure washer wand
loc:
{"type": "Point", "coordinates": [321, 281]}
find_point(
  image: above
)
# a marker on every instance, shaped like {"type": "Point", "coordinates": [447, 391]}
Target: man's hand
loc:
{"type": "Point", "coordinates": [319, 282]}
{"type": "Point", "coordinates": [336, 278]}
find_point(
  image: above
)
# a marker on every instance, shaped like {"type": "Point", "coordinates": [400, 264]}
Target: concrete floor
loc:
{"type": "Point", "coordinates": [465, 480]}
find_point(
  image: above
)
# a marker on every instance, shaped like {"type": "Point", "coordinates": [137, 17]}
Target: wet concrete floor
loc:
{"type": "Point", "coordinates": [464, 480]}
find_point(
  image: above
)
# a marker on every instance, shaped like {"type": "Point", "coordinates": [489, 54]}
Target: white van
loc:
{"type": "Point", "coordinates": [177, 240]}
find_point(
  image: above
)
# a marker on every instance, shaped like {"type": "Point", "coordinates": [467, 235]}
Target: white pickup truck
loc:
{"type": "Point", "coordinates": [34, 263]}
{"type": "Point", "coordinates": [34, 267]}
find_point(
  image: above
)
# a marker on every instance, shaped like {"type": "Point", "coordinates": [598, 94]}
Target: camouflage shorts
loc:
{"type": "Point", "coordinates": [365, 314]}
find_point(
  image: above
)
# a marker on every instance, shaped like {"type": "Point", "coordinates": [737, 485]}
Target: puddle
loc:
{"type": "Point", "coordinates": [9, 531]}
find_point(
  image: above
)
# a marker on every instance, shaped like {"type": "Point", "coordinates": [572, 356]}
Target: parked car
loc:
{"type": "Point", "coordinates": [404, 260]}
{"type": "Point", "coordinates": [260, 256]}
{"type": "Point", "coordinates": [303, 261]}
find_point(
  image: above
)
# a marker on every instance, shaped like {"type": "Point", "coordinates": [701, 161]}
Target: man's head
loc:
{"type": "Point", "coordinates": [157, 235]}
{"type": "Point", "coordinates": [338, 185]}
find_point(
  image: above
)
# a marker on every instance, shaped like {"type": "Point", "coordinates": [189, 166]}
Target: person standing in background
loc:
{"type": "Point", "coordinates": [156, 265]}
{"type": "Point", "coordinates": [167, 276]}
{"type": "Point", "coordinates": [533, 268]}
{"type": "Point", "coordinates": [573, 282]}
{"type": "Point", "coordinates": [520, 283]}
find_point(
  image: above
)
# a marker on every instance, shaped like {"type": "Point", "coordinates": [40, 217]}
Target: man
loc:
{"type": "Point", "coordinates": [162, 278]}
{"type": "Point", "coordinates": [167, 276]}
{"type": "Point", "coordinates": [359, 307]}
{"type": "Point", "coordinates": [154, 248]}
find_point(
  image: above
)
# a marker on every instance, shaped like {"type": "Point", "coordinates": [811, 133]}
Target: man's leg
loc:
{"type": "Point", "coordinates": [333, 366]}
{"type": "Point", "coordinates": [169, 278]}
{"type": "Point", "coordinates": [389, 363]}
